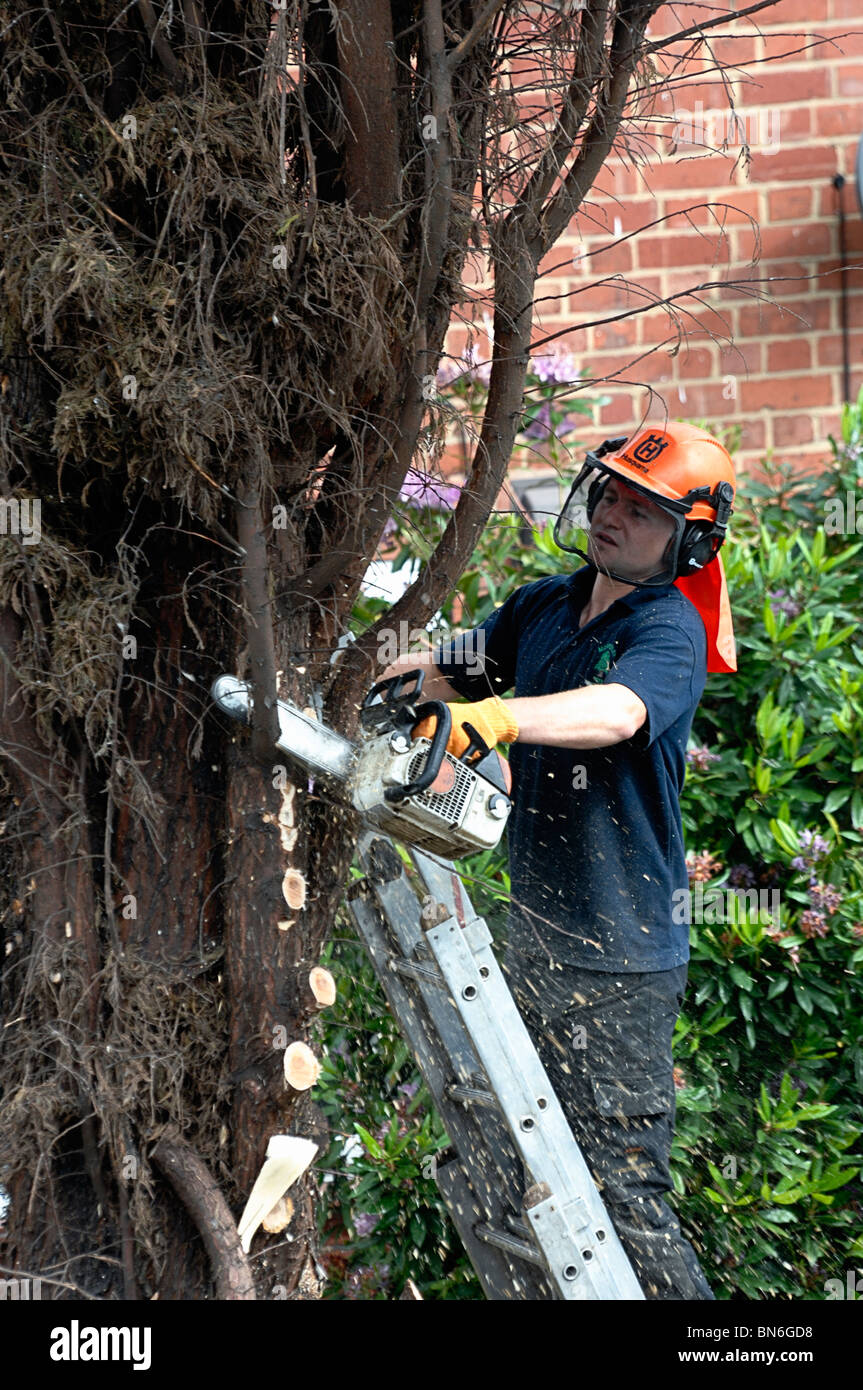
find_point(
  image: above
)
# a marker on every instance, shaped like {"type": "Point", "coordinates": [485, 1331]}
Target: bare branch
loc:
{"type": "Point", "coordinates": [201, 1195]}
{"type": "Point", "coordinates": [475, 33]}
{"type": "Point", "coordinates": [699, 28]}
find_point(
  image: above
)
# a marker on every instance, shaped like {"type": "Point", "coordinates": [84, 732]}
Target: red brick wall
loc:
{"type": "Point", "coordinates": [772, 367]}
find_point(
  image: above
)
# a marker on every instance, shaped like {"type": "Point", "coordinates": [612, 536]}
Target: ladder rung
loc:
{"type": "Point", "coordinates": [518, 1226]}
{"type": "Point", "coordinates": [472, 1095]}
{"type": "Point", "coordinates": [523, 1249]}
{"type": "Point", "coordinates": [429, 973]}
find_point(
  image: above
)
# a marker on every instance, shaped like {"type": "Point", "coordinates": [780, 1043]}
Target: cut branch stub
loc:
{"type": "Point", "coordinates": [288, 1157]}
{"type": "Point", "coordinates": [280, 1216]}
{"type": "Point", "coordinates": [323, 986]}
{"type": "Point", "coordinates": [302, 1067]}
{"type": "Point", "coordinates": [294, 889]}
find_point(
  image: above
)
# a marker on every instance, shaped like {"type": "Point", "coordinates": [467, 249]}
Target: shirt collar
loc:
{"type": "Point", "coordinates": [581, 584]}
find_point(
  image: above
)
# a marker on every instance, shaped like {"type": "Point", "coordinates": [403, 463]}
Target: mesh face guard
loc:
{"type": "Point", "coordinates": [572, 530]}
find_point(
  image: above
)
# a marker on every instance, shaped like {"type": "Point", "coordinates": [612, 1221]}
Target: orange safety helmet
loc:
{"type": "Point", "coordinates": [688, 474]}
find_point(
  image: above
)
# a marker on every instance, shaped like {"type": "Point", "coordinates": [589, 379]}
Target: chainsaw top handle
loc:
{"type": "Point", "coordinates": [440, 739]}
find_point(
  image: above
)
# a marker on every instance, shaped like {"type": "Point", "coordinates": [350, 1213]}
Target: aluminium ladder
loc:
{"type": "Point", "coordinates": [516, 1184]}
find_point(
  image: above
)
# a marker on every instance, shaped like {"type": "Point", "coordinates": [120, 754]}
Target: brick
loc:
{"type": "Point", "coordinates": [830, 278]}
{"type": "Point", "coordinates": [797, 46]}
{"type": "Point", "coordinates": [609, 364]}
{"type": "Point", "coordinates": [828, 199]}
{"type": "Point", "coordinates": [708, 172]}
{"type": "Point", "coordinates": [786, 279]}
{"type": "Point", "coordinates": [843, 42]}
{"type": "Point", "coordinates": [672, 250]}
{"type": "Point", "coordinates": [789, 84]}
{"type": "Point", "coordinates": [670, 21]}
{"type": "Point", "coordinates": [849, 79]}
{"type": "Point", "coordinates": [791, 165]}
{"type": "Point", "coordinates": [737, 49]}
{"type": "Point", "coordinates": [594, 301]}
{"type": "Point", "coordinates": [695, 362]}
{"type": "Point", "coordinates": [793, 429]}
{"type": "Point", "coordinates": [621, 410]}
{"type": "Point", "coordinates": [791, 11]}
{"type": "Point", "coordinates": [616, 335]}
{"type": "Point", "coordinates": [601, 218]}
{"type": "Point", "coordinates": [843, 119]}
{"type": "Point", "coordinates": [753, 434]}
{"type": "Point", "coordinates": [805, 239]}
{"type": "Point", "coordinates": [790, 204]}
{"type": "Point", "coordinates": [799, 316]}
{"type": "Point", "coordinates": [829, 349]}
{"type": "Point", "coordinates": [734, 206]}
{"type": "Point", "coordinates": [828, 422]}
{"type": "Point", "coordinates": [788, 392]}
{"type": "Point", "coordinates": [789, 355]}
{"type": "Point", "coordinates": [741, 359]}
{"type": "Point", "coordinates": [708, 401]}
{"type": "Point", "coordinates": [789, 124]}
{"type": "Point", "coordinates": [610, 258]}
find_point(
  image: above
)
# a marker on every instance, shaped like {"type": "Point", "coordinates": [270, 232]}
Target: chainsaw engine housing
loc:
{"type": "Point", "coordinates": [468, 817]}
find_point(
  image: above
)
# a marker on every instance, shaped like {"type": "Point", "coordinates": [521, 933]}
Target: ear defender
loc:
{"type": "Point", "coordinates": [698, 547]}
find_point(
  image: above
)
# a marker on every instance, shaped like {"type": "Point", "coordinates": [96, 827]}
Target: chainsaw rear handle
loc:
{"type": "Point", "coordinates": [440, 739]}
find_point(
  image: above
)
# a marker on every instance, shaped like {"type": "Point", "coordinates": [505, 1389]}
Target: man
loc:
{"type": "Point", "coordinates": [608, 665]}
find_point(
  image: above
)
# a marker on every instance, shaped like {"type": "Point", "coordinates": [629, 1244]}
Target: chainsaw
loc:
{"type": "Point", "coordinates": [412, 789]}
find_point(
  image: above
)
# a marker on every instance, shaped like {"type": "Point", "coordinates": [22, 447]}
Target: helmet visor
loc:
{"type": "Point", "coordinates": [620, 527]}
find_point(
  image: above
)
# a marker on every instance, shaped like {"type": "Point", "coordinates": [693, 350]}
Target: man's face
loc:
{"type": "Point", "coordinates": [628, 534]}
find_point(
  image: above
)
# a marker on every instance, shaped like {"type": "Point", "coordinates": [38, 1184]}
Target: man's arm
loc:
{"type": "Point", "coordinates": [595, 716]}
{"type": "Point", "coordinates": [435, 686]}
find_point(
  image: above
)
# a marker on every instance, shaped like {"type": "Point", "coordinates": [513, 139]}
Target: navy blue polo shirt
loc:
{"type": "Point", "coordinates": [595, 837]}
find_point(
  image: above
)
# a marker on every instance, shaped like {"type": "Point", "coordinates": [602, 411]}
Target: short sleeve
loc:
{"type": "Point", "coordinates": [665, 665]}
{"type": "Point", "coordinates": [481, 662]}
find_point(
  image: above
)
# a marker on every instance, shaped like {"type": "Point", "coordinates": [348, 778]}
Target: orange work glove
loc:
{"type": "Point", "coordinates": [491, 719]}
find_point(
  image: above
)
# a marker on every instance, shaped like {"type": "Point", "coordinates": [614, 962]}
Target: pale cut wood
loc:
{"type": "Point", "coordinates": [280, 1216]}
{"type": "Point", "coordinates": [302, 1067]}
{"type": "Point", "coordinates": [294, 889]}
{"type": "Point", "coordinates": [288, 1157]}
{"type": "Point", "coordinates": [323, 986]}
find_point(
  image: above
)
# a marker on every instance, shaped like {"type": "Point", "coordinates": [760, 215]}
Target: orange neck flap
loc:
{"type": "Point", "coordinates": [708, 591]}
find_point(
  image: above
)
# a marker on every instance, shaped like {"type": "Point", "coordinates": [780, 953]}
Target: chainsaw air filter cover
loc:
{"type": "Point", "coordinates": [468, 816]}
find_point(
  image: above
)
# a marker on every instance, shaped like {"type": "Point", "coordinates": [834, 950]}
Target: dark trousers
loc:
{"type": "Point", "coordinates": [605, 1042]}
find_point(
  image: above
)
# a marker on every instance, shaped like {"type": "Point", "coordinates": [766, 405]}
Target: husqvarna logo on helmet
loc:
{"type": "Point", "coordinates": [648, 449]}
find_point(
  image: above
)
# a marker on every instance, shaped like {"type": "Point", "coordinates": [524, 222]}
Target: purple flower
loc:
{"type": "Point", "coordinates": [453, 369]}
{"type": "Point", "coordinates": [365, 1222]}
{"type": "Point", "coordinates": [555, 367]}
{"type": "Point", "coordinates": [816, 844]}
{"type": "Point", "coordinates": [824, 898]}
{"type": "Point", "coordinates": [541, 427]}
{"type": "Point", "coordinates": [780, 602]}
{"type": "Point", "coordinates": [812, 924]}
{"type": "Point", "coordinates": [409, 1089]}
{"type": "Point", "coordinates": [422, 490]}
